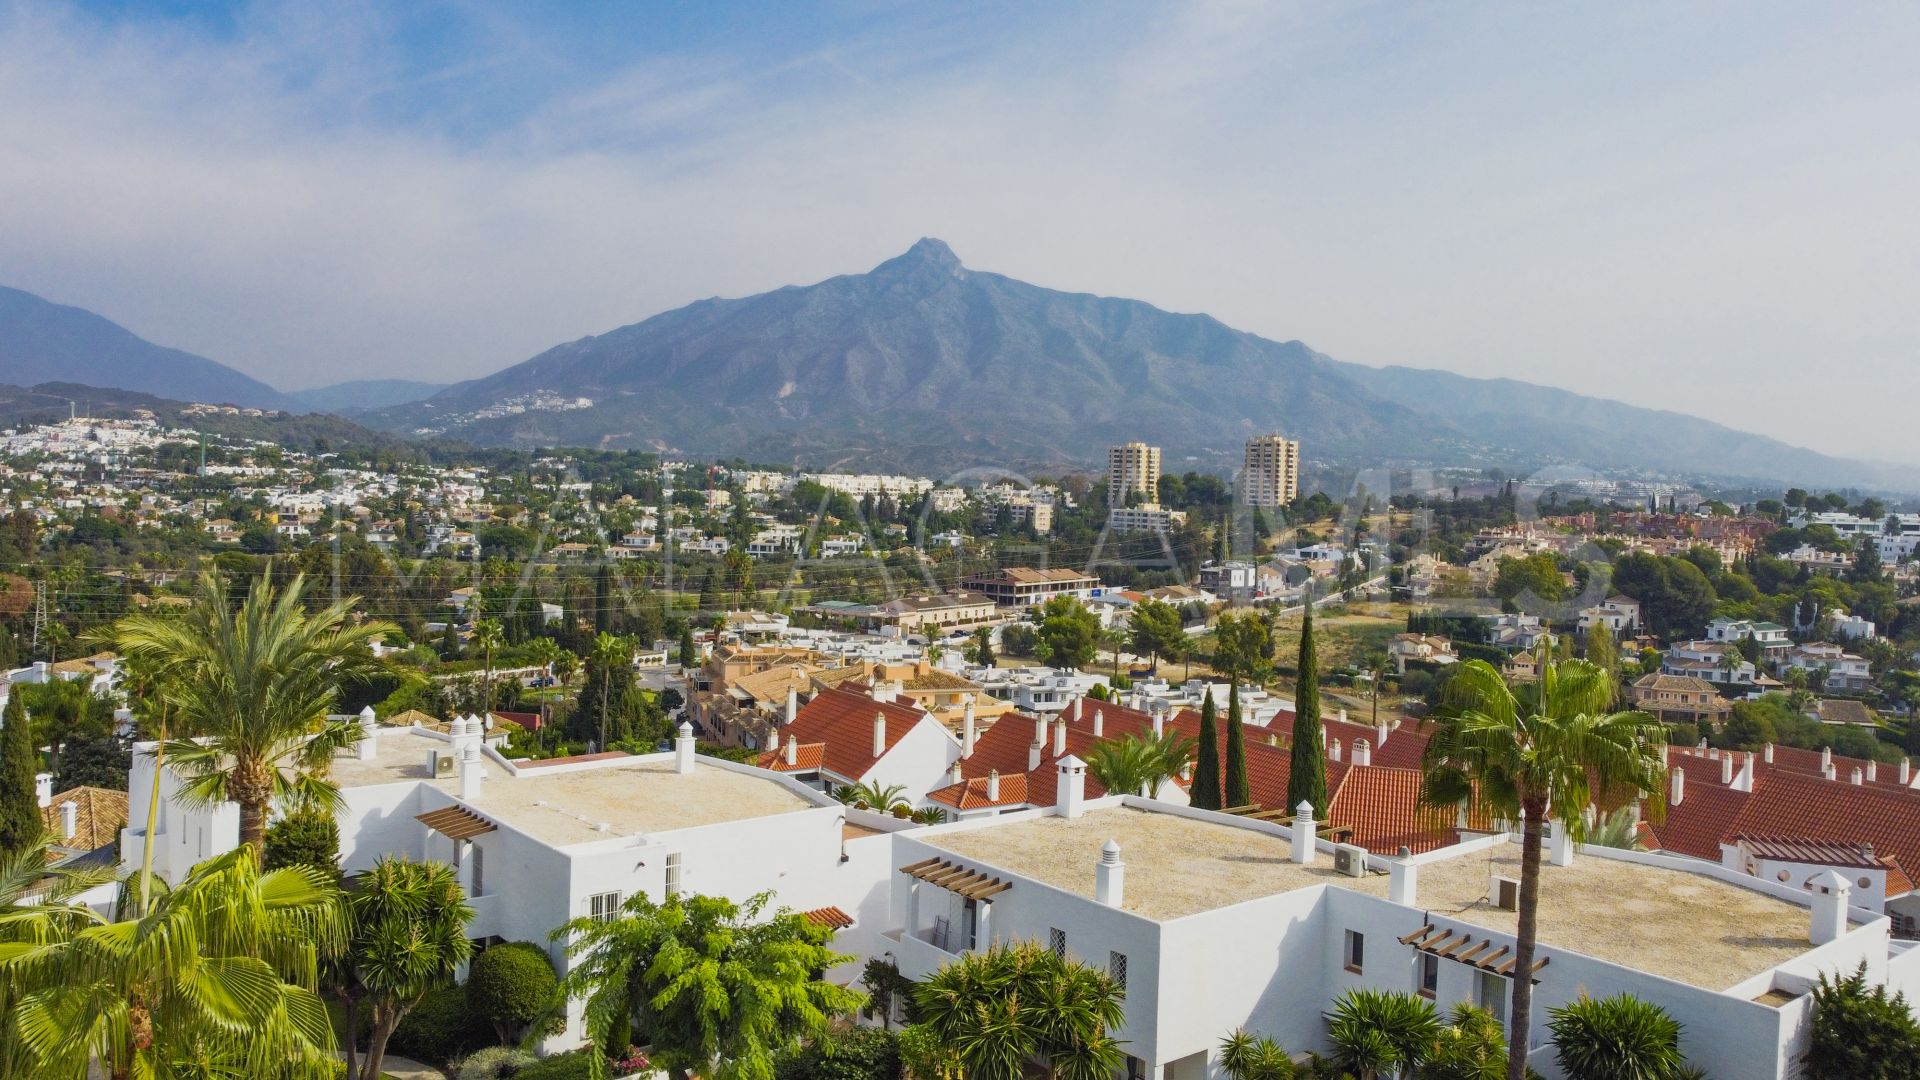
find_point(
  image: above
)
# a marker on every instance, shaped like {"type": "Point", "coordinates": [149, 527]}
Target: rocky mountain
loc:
{"type": "Point", "coordinates": [41, 341]}
{"type": "Point", "coordinates": [360, 395]}
{"type": "Point", "coordinates": [926, 364]}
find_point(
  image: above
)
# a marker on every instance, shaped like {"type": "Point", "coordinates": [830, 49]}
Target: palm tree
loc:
{"type": "Point", "coordinates": [1620, 829]}
{"type": "Point", "coordinates": [1472, 1046]}
{"type": "Point", "coordinates": [545, 652]}
{"type": "Point", "coordinates": [407, 935]}
{"type": "Point", "coordinates": [1002, 1009]}
{"type": "Point", "coordinates": [871, 794]}
{"type": "Point", "coordinates": [609, 652]}
{"type": "Point", "coordinates": [487, 636]}
{"type": "Point", "coordinates": [1533, 751]}
{"type": "Point", "coordinates": [717, 990]}
{"type": "Point", "coordinates": [1616, 1038]}
{"type": "Point", "coordinates": [217, 978]}
{"type": "Point", "coordinates": [1381, 1032]}
{"type": "Point", "coordinates": [1246, 1056]}
{"type": "Point", "coordinates": [1139, 764]}
{"type": "Point", "coordinates": [253, 688]}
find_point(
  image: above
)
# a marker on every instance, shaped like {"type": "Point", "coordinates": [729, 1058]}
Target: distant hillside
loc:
{"type": "Point", "coordinates": [925, 364]}
{"type": "Point", "coordinates": [54, 401]}
{"type": "Point", "coordinates": [363, 394]}
{"type": "Point", "coordinates": [41, 341]}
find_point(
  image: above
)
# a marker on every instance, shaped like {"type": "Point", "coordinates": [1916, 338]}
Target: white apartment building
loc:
{"type": "Point", "coordinates": [1144, 519]}
{"type": "Point", "coordinates": [1133, 470]}
{"type": "Point", "coordinates": [1213, 922]}
{"type": "Point", "coordinates": [1270, 471]}
{"type": "Point", "coordinates": [1845, 671]}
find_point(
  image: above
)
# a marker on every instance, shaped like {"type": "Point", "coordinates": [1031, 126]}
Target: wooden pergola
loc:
{"type": "Point", "coordinates": [1464, 948]}
{"type": "Point", "coordinates": [456, 822]}
{"type": "Point", "coordinates": [951, 876]}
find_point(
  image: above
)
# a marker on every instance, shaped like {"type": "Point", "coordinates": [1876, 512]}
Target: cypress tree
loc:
{"type": "Point", "coordinates": [1307, 773]}
{"type": "Point", "coordinates": [20, 821]}
{"type": "Point", "coordinates": [1205, 793]}
{"type": "Point", "coordinates": [1237, 791]}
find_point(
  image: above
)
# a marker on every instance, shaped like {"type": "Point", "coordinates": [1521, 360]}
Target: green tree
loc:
{"type": "Point", "coordinates": [1156, 630]}
{"type": "Point", "coordinates": [1602, 652]}
{"type": "Point", "coordinates": [1069, 634]}
{"type": "Point", "coordinates": [306, 837]}
{"type": "Point", "coordinates": [1013, 1005]}
{"type": "Point", "coordinates": [1533, 751]}
{"type": "Point", "coordinates": [407, 934]}
{"type": "Point", "coordinates": [982, 651]}
{"type": "Point", "coordinates": [1138, 764]}
{"type": "Point", "coordinates": [1019, 639]}
{"type": "Point", "coordinates": [512, 985]}
{"type": "Point", "coordinates": [1205, 793]}
{"type": "Point", "coordinates": [689, 656]}
{"type": "Point", "coordinates": [609, 669]}
{"type": "Point", "coordinates": [1235, 790]}
{"type": "Point", "coordinates": [717, 990]}
{"type": "Point", "coordinates": [1616, 1038]}
{"type": "Point", "coordinates": [255, 687]}
{"type": "Point", "coordinates": [218, 978]}
{"type": "Point", "coordinates": [1472, 1046]}
{"type": "Point", "coordinates": [872, 794]}
{"type": "Point", "coordinates": [1861, 1032]}
{"type": "Point", "coordinates": [487, 636]}
{"type": "Point", "coordinates": [1246, 1056]}
{"type": "Point", "coordinates": [1307, 769]}
{"type": "Point", "coordinates": [21, 825]}
{"type": "Point", "coordinates": [1381, 1032]}
{"type": "Point", "coordinates": [1243, 646]}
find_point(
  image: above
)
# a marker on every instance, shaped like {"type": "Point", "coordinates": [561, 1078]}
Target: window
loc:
{"type": "Point", "coordinates": [1355, 953]}
{"type": "Point", "coordinates": [1490, 993]}
{"type": "Point", "coordinates": [604, 907]}
{"type": "Point", "coordinates": [1429, 974]}
{"type": "Point", "coordinates": [673, 874]}
{"type": "Point", "coordinates": [1117, 969]}
{"type": "Point", "coordinates": [1057, 941]}
{"type": "Point", "coordinates": [479, 866]}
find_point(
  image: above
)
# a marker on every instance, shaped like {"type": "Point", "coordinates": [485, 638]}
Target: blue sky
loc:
{"type": "Point", "coordinates": [1703, 207]}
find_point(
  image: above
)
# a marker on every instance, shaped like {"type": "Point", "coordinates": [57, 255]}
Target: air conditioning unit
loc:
{"type": "Point", "coordinates": [1350, 859]}
{"type": "Point", "coordinates": [1505, 893]}
{"type": "Point", "coordinates": [441, 765]}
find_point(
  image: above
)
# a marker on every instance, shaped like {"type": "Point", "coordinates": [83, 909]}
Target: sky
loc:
{"type": "Point", "coordinates": [1703, 207]}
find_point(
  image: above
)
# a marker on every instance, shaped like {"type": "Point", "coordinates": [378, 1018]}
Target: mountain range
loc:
{"type": "Point", "coordinates": [928, 365]}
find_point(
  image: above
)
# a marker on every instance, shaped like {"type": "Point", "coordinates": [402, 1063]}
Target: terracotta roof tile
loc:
{"type": "Point", "coordinates": [843, 722]}
{"type": "Point", "coordinates": [101, 814]}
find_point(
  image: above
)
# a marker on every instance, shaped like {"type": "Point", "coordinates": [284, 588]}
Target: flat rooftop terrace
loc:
{"type": "Point", "coordinates": [1682, 926]}
{"type": "Point", "coordinates": [1176, 866]}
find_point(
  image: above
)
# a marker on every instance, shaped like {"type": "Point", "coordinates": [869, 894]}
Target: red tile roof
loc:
{"type": "Point", "coordinates": [972, 794]}
{"type": "Point", "coordinates": [806, 758]}
{"type": "Point", "coordinates": [1382, 807]}
{"type": "Point", "coordinates": [830, 917]}
{"type": "Point", "coordinates": [842, 722]}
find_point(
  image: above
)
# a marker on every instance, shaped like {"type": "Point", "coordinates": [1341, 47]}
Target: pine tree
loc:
{"type": "Point", "coordinates": [20, 821]}
{"type": "Point", "coordinates": [1205, 793]}
{"type": "Point", "coordinates": [689, 656]}
{"type": "Point", "coordinates": [1307, 774]}
{"type": "Point", "coordinates": [1237, 791]}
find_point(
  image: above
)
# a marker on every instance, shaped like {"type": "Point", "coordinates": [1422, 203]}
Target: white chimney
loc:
{"type": "Point", "coordinates": [1906, 771]}
{"type": "Point", "coordinates": [879, 733]}
{"type": "Point", "coordinates": [1362, 753]}
{"type": "Point", "coordinates": [1033, 755]}
{"type": "Point", "coordinates": [683, 749]}
{"type": "Point", "coordinates": [1856, 776]}
{"type": "Point", "coordinates": [1303, 833]}
{"type": "Point", "coordinates": [1076, 707]}
{"type": "Point", "coordinates": [1343, 716]}
{"type": "Point", "coordinates": [793, 704]}
{"type": "Point", "coordinates": [1099, 723]}
{"type": "Point", "coordinates": [1726, 769]}
{"type": "Point", "coordinates": [1830, 892]}
{"type": "Point", "coordinates": [1059, 738]}
{"type": "Point", "coordinates": [790, 753]}
{"type": "Point", "coordinates": [472, 772]}
{"type": "Point", "coordinates": [1829, 771]}
{"type": "Point", "coordinates": [1826, 757]}
{"type": "Point", "coordinates": [1561, 853]}
{"type": "Point", "coordinates": [1040, 729]}
{"type": "Point", "coordinates": [1677, 790]}
{"type": "Point", "coordinates": [43, 789]}
{"type": "Point", "coordinates": [368, 748]}
{"type": "Point", "coordinates": [1873, 771]}
{"type": "Point", "coordinates": [1110, 876]}
{"type": "Point", "coordinates": [1403, 881]}
{"type": "Point", "coordinates": [969, 733]}
{"type": "Point", "coordinates": [1333, 749]}
{"type": "Point", "coordinates": [69, 819]}
{"type": "Point", "coordinates": [1380, 733]}
{"type": "Point", "coordinates": [1743, 780]}
{"type": "Point", "coordinates": [954, 775]}
{"type": "Point", "coordinates": [1159, 722]}
{"type": "Point", "coordinates": [1766, 753]}
{"type": "Point", "coordinates": [1070, 795]}
{"type": "Point", "coordinates": [993, 785]}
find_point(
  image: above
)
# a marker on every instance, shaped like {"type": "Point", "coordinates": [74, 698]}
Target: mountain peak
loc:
{"type": "Point", "coordinates": [927, 253]}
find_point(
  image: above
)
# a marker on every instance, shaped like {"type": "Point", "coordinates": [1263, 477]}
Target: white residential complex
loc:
{"type": "Point", "coordinates": [1270, 473]}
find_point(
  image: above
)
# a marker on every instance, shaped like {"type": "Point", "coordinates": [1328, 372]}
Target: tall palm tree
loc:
{"type": "Point", "coordinates": [1530, 752]}
{"type": "Point", "coordinates": [407, 935]}
{"type": "Point", "coordinates": [1138, 764]}
{"type": "Point", "coordinates": [487, 636]}
{"type": "Point", "coordinates": [545, 652]}
{"type": "Point", "coordinates": [1616, 1038]}
{"type": "Point", "coordinates": [609, 652]}
{"type": "Point", "coordinates": [1012, 1005]}
{"type": "Point", "coordinates": [253, 688]}
{"type": "Point", "coordinates": [217, 978]}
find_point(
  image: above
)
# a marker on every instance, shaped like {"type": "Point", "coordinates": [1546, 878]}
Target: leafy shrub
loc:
{"type": "Point", "coordinates": [440, 1028]}
{"type": "Point", "coordinates": [860, 1054]}
{"type": "Point", "coordinates": [511, 986]}
{"type": "Point", "coordinates": [496, 1063]}
{"type": "Point", "coordinates": [573, 1065]}
{"type": "Point", "coordinates": [305, 838]}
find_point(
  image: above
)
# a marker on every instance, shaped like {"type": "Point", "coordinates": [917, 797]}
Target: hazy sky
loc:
{"type": "Point", "coordinates": [1709, 208]}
